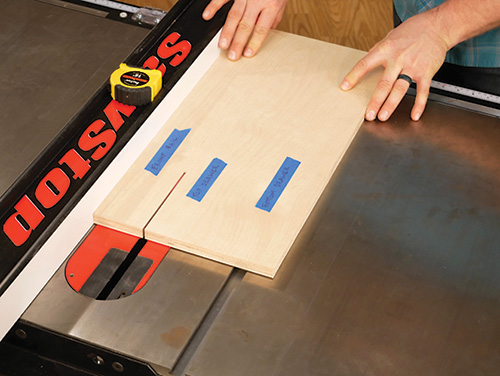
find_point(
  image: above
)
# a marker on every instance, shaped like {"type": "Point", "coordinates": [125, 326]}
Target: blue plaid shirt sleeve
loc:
{"type": "Point", "coordinates": [482, 51]}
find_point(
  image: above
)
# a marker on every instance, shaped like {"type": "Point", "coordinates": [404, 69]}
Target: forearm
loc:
{"type": "Point", "coordinates": [459, 20]}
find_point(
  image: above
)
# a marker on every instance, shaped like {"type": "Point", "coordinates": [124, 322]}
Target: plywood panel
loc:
{"type": "Point", "coordinates": [252, 115]}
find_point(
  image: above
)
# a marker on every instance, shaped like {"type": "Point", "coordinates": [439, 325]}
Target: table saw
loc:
{"type": "Point", "coordinates": [396, 270]}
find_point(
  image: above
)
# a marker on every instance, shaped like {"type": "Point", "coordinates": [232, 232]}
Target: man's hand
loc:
{"type": "Point", "coordinates": [247, 24]}
{"type": "Point", "coordinates": [415, 48]}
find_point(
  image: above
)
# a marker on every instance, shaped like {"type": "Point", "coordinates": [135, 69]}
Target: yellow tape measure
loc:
{"type": "Point", "coordinates": [135, 86]}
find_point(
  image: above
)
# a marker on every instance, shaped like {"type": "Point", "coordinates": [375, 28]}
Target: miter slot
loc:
{"type": "Point", "coordinates": [232, 282]}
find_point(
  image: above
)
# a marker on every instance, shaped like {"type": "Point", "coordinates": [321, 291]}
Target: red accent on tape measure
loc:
{"type": "Point", "coordinates": [135, 78]}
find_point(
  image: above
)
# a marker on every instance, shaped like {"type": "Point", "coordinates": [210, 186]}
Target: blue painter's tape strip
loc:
{"type": "Point", "coordinates": [207, 179]}
{"type": "Point", "coordinates": [278, 184]}
{"type": "Point", "coordinates": [166, 151]}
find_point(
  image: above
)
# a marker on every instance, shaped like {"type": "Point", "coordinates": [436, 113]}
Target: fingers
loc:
{"type": "Point", "coordinates": [423, 88]}
{"type": "Point", "coordinates": [362, 67]}
{"type": "Point", "coordinates": [212, 8]}
{"type": "Point", "coordinates": [390, 90]}
{"type": "Point", "coordinates": [261, 30]}
{"type": "Point", "coordinates": [380, 95]}
{"type": "Point", "coordinates": [247, 24]}
{"type": "Point", "coordinates": [395, 97]}
{"type": "Point", "coordinates": [413, 48]}
{"type": "Point", "coordinates": [244, 30]}
{"type": "Point", "coordinates": [385, 101]}
{"type": "Point", "coordinates": [232, 27]}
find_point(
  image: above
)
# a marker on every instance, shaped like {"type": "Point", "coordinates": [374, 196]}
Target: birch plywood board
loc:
{"type": "Point", "coordinates": [249, 152]}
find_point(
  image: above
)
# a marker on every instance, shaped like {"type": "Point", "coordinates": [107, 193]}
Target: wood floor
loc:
{"type": "Point", "coordinates": [353, 23]}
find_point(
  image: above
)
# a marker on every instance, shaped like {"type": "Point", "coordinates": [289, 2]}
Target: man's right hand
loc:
{"type": "Point", "coordinates": [247, 25]}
